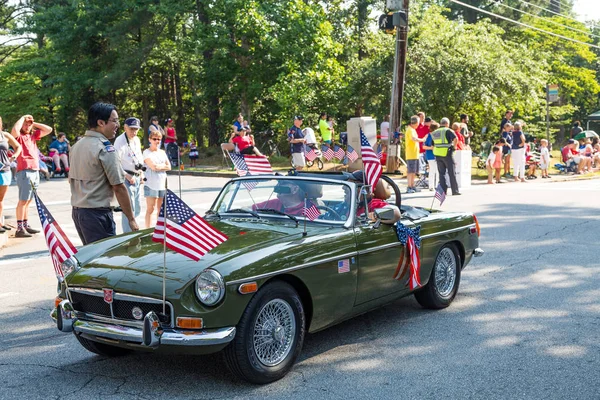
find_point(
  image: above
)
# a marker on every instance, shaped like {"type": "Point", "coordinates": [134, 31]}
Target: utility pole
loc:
{"type": "Point", "coordinates": [400, 20]}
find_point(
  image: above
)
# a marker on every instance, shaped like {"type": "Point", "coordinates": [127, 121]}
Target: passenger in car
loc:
{"type": "Point", "coordinates": [290, 198]}
{"type": "Point", "coordinates": [377, 200]}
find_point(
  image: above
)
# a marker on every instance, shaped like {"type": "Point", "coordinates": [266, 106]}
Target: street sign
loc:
{"type": "Point", "coordinates": [552, 93]}
{"type": "Point", "coordinates": [386, 23]}
{"type": "Point", "coordinates": [394, 5]}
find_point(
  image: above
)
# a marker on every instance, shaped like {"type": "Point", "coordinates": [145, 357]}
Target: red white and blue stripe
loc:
{"type": "Point", "coordinates": [371, 162]}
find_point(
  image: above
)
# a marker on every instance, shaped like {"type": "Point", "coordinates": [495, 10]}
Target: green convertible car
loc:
{"type": "Point", "coordinates": [278, 275]}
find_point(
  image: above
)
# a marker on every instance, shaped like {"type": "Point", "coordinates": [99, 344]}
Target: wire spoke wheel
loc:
{"type": "Point", "coordinates": [445, 272]}
{"type": "Point", "coordinates": [274, 332]}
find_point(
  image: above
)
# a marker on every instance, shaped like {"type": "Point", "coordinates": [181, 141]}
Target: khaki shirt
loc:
{"type": "Point", "coordinates": [95, 168]}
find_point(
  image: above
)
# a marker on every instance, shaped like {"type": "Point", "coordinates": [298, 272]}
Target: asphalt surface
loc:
{"type": "Point", "coordinates": [524, 325]}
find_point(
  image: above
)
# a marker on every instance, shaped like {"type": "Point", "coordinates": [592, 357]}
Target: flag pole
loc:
{"type": "Point", "coordinates": [433, 200]}
{"type": "Point", "coordinates": [305, 216]}
{"type": "Point", "coordinates": [179, 166]}
{"type": "Point", "coordinates": [164, 286]}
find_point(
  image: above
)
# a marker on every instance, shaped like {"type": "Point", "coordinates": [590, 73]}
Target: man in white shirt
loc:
{"type": "Point", "coordinates": [129, 148]}
{"type": "Point", "coordinates": [385, 129]}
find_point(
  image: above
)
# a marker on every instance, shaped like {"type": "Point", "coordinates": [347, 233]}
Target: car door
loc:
{"type": "Point", "coordinates": [378, 256]}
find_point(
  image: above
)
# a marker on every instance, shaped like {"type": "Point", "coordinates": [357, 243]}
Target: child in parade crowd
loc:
{"type": "Point", "coordinates": [493, 165]}
{"type": "Point", "coordinates": [544, 158]}
{"type": "Point", "coordinates": [193, 153]}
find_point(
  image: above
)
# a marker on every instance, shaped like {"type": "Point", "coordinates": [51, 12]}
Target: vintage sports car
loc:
{"type": "Point", "coordinates": [278, 276]}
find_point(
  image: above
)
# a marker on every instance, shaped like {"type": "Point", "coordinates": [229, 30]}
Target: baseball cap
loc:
{"type": "Point", "coordinates": [132, 123]}
{"type": "Point", "coordinates": [300, 117]}
{"type": "Point", "coordinates": [427, 119]}
{"type": "Point", "coordinates": [572, 141]}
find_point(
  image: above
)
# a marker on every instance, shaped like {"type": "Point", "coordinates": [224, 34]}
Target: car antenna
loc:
{"type": "Point", "coordinates": [304, 211]}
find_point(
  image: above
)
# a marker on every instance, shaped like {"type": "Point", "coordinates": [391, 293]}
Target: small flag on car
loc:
{"type": "Point", "coordinates": [58, 243]}
{"type": "Point", "coordinates": [343, 266]}
{"type": "Point", "coordinates": [311, 212]}
{"type": "Point", "coordinates": [440, 194]}
{"type": "Point", "coordinates": [327, 152]}
{"type": "Point", "coordinates": [379, 151]}
{"type": "Point", "coordinates": [186, 232]}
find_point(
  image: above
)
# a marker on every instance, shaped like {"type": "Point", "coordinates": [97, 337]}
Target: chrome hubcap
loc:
{"type": "Point", "coordinates": [445, 272]}
{"type": "Point", "coordinates": [274, 332]}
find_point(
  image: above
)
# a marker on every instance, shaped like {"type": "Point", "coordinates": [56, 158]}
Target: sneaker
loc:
{"type": "Point", "coordinates": [416, 190]}
{"type": "Point", "coordinates": [410, 190]}
{"type": "Point", "coordinates": [6, 228]}
{"type": "Point", "coordinates": [31, 230]}
{"type": "Point", "coordinates": [456, 194]}
{"type": "Point", "coordinates": [21, 233]}
{"type": "Point", "coordinates": [2, 230]}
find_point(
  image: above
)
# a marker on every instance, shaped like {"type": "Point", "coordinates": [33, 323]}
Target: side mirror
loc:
{"type": "Point", "coordinates": [388, 215]}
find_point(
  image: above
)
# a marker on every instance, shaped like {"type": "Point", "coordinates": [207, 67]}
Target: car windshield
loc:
{"type": "Point", "coordinates": [326, 202]}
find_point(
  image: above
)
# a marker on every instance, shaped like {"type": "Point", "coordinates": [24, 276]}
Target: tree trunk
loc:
{"type": "Point", "coordinates": [211, 88]}
{"type": "Point", "coordinates": [180, 123]}
{"type": "Point", "coordinates": [145, 120]}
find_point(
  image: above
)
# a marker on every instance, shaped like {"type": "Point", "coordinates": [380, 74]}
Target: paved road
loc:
{"type": "Point", "coordinates": [524, 325]}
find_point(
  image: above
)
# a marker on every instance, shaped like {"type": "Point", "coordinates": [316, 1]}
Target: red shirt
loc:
{"type": "Point", "coordinates": [373, 204]}
{"type": "Point", "coordinates": [566, 151]}
{"type": "Point", "coordinates": [242, 142]}
{"type": "Point", "coordinates": [422, 131]}
{"type": "Point", "coordinates": [28, 159]}
{"type": "Point", "coordinates": [170, 137]}
{"type": "Point", "coordinates": [460, 143]}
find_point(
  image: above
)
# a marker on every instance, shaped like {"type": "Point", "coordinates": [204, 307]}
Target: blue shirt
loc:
{"type": "Point", "coordinates": [238, 125]}
{"type": "Point", "coordinates": [516, 141]}
{"type": "Point", "coordinates": [61, 147]}
{"type": "Point", "coordinates": [296, 133]}
{"type": "Point", "coordinates": [429, 153]}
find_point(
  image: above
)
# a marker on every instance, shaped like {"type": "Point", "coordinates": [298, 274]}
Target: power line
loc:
{"type": "Point", "coordinates": [499, 2]}
{"type": "Point", "coordinates": [550, 11]}
{"type": "Point", "coordinates": [561, 4]}
{"type": "Point", "coordinates": [522, 24]}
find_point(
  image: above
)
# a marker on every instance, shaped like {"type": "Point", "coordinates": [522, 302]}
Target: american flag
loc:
{"type": "Point", "coordinates": [338, 152]}
{"type": "Point", "coordinates": [258, 164]}
{"type": "Point", "coordinates": [58, 243]}
{"type": "Point", "coordinates": [440, 194]}
{"type": "Point", "coordinates": [310, 154]}
{"type": "Point", "coordinates": [239, 163]}
{"type": "Point", "coordinates": [371, 162]}
{"type": "Point", "coordinates": [343, 266]}
{"type": "Point", "coordinates": [311, 212]}
{"type": "Point", "coordinates": [411, 239]}
{"type": "Point", "coordinates": [351, 154]}
{"type": "Point", "coordinates": [379, 151]}
{"type": "Point", "coordinates": [187, 233]}
{"type": "Point", "coordinates": [327, 152]}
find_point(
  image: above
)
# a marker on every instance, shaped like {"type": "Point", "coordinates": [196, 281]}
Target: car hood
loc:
{"type": "Point", "coordinates": [133, 263]}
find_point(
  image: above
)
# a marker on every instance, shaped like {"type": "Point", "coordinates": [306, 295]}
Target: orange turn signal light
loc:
{"type": "Point", "coordinates": [477, 225]}
{"type": "Point", "coordinates": [57, 301]}
{"type": "Point", "coordinates": [249, 287]}
{"type": "Point", "coordinates": [189, 323]}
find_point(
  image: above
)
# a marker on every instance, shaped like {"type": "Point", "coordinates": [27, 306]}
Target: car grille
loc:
{"type": "Point", "coordinates": [92, 302]}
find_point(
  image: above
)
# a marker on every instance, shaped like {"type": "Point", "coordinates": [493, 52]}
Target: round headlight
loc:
{"type": "Point", "coordinates": [210, 287]}
{"type": "Point", "coordinates": [69, 266]}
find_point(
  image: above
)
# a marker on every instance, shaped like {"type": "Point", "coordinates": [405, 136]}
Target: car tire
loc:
{"type": "Point", "coordinates": [443, 281]}
{"type": "Point", "coordinates": [254, 363]}
{"type": "Point", "coordinates": [102, 349]}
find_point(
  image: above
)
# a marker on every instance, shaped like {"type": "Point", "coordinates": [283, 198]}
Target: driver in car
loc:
{"type": "Point", "coordinates": [290, 199]}
{"type": "Point", "coordinates": [377, 200]}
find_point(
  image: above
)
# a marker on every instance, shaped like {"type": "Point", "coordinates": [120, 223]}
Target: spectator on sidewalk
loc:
{"type": "Point", "coordinates": [444, 141]}
{"type": "Point", "coordinates": [27, 132]}
{"type": "Point", "coordinates": [571, 157]}
{"type": "Point", "coordinates": [518, 153]}
{"type": "Point", "coordinates": [385, 130]}
{"type": "Point", "coordinates": [464, 130]}
{"type": "Point", "coordinates": [493, 165]}
{"type": "Point", "coordinates": [428, 146]}
{"type": "Point", "coordinates": [460, 142]}
{"type": "Point", "coordinates": [412, 153]}
{"type": "Point", "coordinates": [157, 163]}
{"type": "Point", "coordinates": [576, 129]}
{"type": "Point", "coordinates": [422, 133]}
{"type": "Point", "coordinates": [297, 141]}
{"type": "Point", "coordinates": [129, 148]}
{"type": "Point", "coordinates": [506, 120]}
{"type": "Point", "coordinates": [59, 152]}
{"type": "Point", "coordinates": [544, 158]}
{"type": "Point", "coordinates": [507, 135]}
{"type": "Point", "coordinates": [6, 142]}
{"type": "Point", "coordinates": [193, 155]}
{"type": "Point", "coordinates": [325, 130]}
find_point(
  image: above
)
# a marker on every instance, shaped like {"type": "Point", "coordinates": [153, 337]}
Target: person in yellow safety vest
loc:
{"type": "Point", "coordinates": [444, 141]}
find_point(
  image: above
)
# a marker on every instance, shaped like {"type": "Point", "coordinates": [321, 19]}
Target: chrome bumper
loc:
{"type": "Point", "coordinates": [151, 335]}
{"type": "Point", "coordinates": [478, 252]}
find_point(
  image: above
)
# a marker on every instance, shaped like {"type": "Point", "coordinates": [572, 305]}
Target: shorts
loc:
{"type": "Point", "coordinates": [412, 166]}
{"type": "Point", "coordinates": [248, 150]}
{"type": "Point", "coordinates": [577, 159]}
{"type": "Point", "coordinates": [5, 178]}
{"type": "Point", "coordinates": [24, 179]}
{"type": "Point", "coordinates": [153, 193]}
{"type": "Point", "coordinates": [298, 159]}
{"type": "Point", "coordinates": [543, 166]}
{"type": "Point", "coordinates": [327, 141]}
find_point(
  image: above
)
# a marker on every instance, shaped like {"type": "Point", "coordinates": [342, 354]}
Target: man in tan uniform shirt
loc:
{"type": "Point", "coordinates": [96, 176]}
